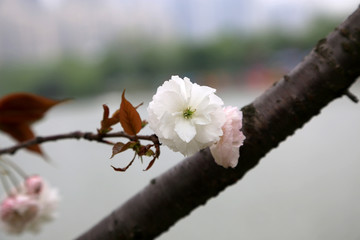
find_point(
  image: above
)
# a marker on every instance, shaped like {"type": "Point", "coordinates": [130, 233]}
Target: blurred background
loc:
{"type": "Point", "coordinates": [64, 48]}
{"type": "Point", "coordinates": [90, 50]}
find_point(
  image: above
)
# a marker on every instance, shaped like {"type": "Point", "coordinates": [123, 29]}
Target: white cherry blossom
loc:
{"type": "Point", "coordinates": [185, 116]}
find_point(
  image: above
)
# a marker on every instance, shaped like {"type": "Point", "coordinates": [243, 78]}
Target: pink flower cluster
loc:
{"type": "Point", "coordinates": [28, 207]}
{"type": "Point", "coordinates": [226, 151]}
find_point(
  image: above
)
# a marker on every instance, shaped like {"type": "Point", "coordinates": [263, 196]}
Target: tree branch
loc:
{"type": "Point", "coordinates": [77, 135]}
{"type": "Point", "coordinates": [324, 75]}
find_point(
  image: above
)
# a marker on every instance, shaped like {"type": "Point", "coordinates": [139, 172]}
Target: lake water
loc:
{"type": "Point", "coordinates": [307, 188]}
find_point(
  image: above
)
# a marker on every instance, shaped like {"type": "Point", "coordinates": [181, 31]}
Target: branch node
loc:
{"type": "Point", "coordinates": [39, 139]}
{"type": "Point", "coordinates": [78, 134]}
{"type": "Point", "coordinates": [89, 136]}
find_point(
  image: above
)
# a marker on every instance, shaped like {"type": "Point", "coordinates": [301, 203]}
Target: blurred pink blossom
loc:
{"type": "Point", "coordinates": [226, 151]}
{"type": "Point", "coordinates": [18, 212]}
{"type": "Point", "coordinates": [34, 184]}
{"type": "Point", "coordinates": [28, 207]}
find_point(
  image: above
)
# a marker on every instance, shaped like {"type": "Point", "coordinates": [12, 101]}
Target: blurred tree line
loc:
{"type": "Point", "coordinates": [143, 63]}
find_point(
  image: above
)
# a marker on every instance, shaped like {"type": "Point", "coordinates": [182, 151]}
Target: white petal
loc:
{"type": "Point", "coordinates": [215, 100]}
{"type": "Point", "coordinates": [199, 94]}
{"type": "Point", "coordinates": [202, 119]}
{"type": "Point", "coordinates": [187, 136]}
{"type": "Point", "coordinates": [169, 102]}
{"type": "Point", "coordinates": [185, 129]}
{"type": "Point", "coordinates": [183, 87]}
{"type": "Point", "coordinates": [166, 126]}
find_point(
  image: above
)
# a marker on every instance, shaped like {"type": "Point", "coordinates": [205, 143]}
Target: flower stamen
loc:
{"type": "Point", "coordinates": [187, 113]}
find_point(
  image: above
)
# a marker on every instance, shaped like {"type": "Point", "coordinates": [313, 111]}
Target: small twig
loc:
{"type": "Point", "coordinates": [139, 105]}
{"type": "Point", "coordinates": [76, 135]}
{"type": "Point", "coordinates": [351, 96]}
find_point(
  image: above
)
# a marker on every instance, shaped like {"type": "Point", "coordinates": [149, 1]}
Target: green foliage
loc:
{"type": "Point", "coordinates": [143, 63]}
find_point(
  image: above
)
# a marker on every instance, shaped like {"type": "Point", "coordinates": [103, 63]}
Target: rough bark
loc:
{"type": "Point", "coordinates": [324, 75]}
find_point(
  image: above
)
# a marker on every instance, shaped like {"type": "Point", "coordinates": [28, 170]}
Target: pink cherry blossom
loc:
{"type": "Point", "coordinates": [18, 212]}
{"type": "Point", "coordinates": [28, 206]}
{"type": "Point", "coordinates": [226, 151]}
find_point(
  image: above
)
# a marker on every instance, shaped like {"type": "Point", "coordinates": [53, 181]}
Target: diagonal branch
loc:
{"type": "Point", "coordinates": [324, 75]}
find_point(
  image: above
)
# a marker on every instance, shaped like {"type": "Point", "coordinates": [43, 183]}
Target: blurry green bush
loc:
{"type": "Point", "coordinates": [143, 63]}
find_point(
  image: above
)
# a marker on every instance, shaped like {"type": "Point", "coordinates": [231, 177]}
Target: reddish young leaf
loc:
{"type": "Point", "coordinates": [128, 116]}
{"type": "Point", "coordinates": [150, 164]}
{"type": "Point", "coordinates": [120, 147]}
{"type": "Point", "coordinates": [105, 126]}
{"type": "Point", "coordinates": [21, 132]}
{"type": "Point", "coordinates": [125, 168]}
{"type": "Point", "coordinates": [114, 118]}
{"type": "Point", "coordinates": [18, 111]}
{"type": "Point", "coordinates": [107, 122]}
{"type": "Point", "coordinates": [24, 108]}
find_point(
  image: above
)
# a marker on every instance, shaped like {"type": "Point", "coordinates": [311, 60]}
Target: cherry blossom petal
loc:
{"type": "Point", "coordinates": [226, 151]}
{"type": "Point", "coordinates": [184, 129]}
